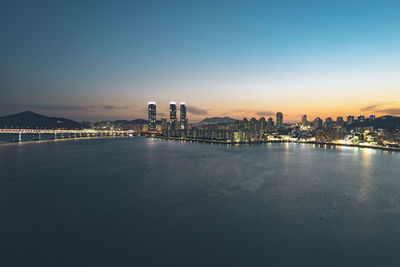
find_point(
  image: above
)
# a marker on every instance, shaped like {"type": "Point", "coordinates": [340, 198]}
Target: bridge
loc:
{"type": "Point", "coordinates": [18, 134]}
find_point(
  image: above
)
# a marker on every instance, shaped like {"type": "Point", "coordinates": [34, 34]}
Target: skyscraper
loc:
{"type": "Point", "coordinates": [328, 122]}
{"type": "Point", "coordinates": [182, 120]}
{"type": "Point", "coordinates": [152, 115]}
{"type": "Point", "coordinates": [164, 125]}
{"type": "Point", "coordinates": [350, 119]}
{"type": "Point", "coordinates": [340, 121]}
{"type": "Point", "coordinates": [317, 123]}
{"type": "Point", "coordinates": [172, 115]}
{"type": "Point", "coordinates": [279, 120]}
{"type": "Point", "coordinates": [270, 124]}
{"type": "Point", "coordinates": [304, 120]}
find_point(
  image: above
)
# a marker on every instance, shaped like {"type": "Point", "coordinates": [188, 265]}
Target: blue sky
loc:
{"type": "Point", "coordinates": [91, 60]}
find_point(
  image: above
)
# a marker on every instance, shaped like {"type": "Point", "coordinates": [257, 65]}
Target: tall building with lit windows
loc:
{"type": "Point", "coordinates": [152, 115]}
{"type": "Point", "coordinates": [172, 116]}
{"type": "Point", "coordinates": [182, 118]}
{"type": "Point", "coordinates": [164, 125]}
{"type": "Point", "coordinates": [317, 123]}
{"type": "Point", "coordinates": [350, 119]}
{"type": "Point", "coordinates": [279, 120]}
{"type": "Point", "coordinates": [304, 120]}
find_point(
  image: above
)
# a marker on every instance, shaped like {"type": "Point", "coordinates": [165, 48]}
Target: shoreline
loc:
{"type": "Point", "coordinates": [275, 141]}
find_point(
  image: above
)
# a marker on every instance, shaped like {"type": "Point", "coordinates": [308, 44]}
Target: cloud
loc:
{"type": "Point", "coordinates": [375, 106]}
{"type": "Point", "coordinates": [369, 108]}
{"type": "Point", "coordinates": [46, 107]}
{"type": "Point", "coordinates": [382, 108]}
{"type": "Point", "coordinates": [390, 111]}
{"type": "Point", "coordinates": [111, 107]}
{"type": "Point", "coordinates": [265, 113]}
{"type": "Point", "coordinates": [54, 107]}
{"type": "Point", "coordinates": [196, 111]}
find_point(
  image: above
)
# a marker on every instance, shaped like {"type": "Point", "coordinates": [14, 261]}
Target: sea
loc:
{"type": "Point", "coordinates": [147, 202]}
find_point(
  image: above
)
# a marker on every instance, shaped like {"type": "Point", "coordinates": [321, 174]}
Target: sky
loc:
{"type": "Point", "coordinates": [104, 60]}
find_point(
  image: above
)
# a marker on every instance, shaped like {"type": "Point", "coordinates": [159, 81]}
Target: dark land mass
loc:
{"type": "Point", "coordinates": [32, 120]}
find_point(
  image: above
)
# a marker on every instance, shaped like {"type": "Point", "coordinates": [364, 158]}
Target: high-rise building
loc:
{"type": "Point", "coordinates": [152, 116]}
{"type": "Point", "coordinates": [328, 122]}
{"type": "Point", "coordinates": [304, 120]}
{"type": "Point", "coordinates": [172, 116]}
{"type": "Point", "coordinates": [270, 124]}
{"type": "Point", "coordinates": [339, 121]}
{"type": "Point", "coordinates": [164, 125]}
{"type": "Point", "coordinates": [372, 117]}
{"type": "Point", "coordinates": [279, 120]}
{"type": "Point", "coordinates": [262, 124]}
{"type": "Point", "coordinates": [361, 118]}
{"type": "Point", "coordinates": [350, 119]}
{"type": "Point", "coordinates": [317, 123]}
{"type": "Point", "coordinates": [182, 114]}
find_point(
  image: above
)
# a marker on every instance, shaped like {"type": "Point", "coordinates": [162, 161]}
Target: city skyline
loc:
{"type": "Point", "coordinates": [279, 116]}
{"type": "Point", "coordinates": [103, 61]}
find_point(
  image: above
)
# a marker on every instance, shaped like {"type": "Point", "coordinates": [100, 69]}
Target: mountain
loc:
{"type": "Point", "coordinates": [29, 119]}
{"type": "Point", "coordinates": [218, 120]}
{"type": "Point", "coordinates": [385, 122]}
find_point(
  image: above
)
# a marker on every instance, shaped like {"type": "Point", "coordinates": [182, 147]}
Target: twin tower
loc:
{"type": "Point", "coordinates": [172, 116]}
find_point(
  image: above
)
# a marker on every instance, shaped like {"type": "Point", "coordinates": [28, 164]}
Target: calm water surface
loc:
{"type": "Point", "coordinates": [144, 202]}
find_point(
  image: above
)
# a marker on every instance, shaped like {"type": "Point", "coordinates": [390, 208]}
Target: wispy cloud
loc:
{"type": "Point", "coordinates": [265, 113]}
{"type": "Point", "coordinates": [197, 111]}
{"type": "Point", "coordinates": [369, 108]}
{"type": "Point", "coordinates": [111, 107]}
{"type": "Point", "coordinates": [383, 107]}
{"type": "Point", "coordinates": [46, 107]}
{"type": "Point", "coordinates": [390, 111]}
{"type": "Point", "coordinates": [376, 106]}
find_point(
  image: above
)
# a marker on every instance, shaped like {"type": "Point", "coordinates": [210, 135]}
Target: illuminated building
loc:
{"type": "Point", "coordinates": [361, 118]}
{"type": "Point", "coordinates": [279, 120]}
{"type": "Point", "coordinates": [350, 119]}
{"type": "Point", "coordinates": [164, 125]}
{"type": "Point", "coordinates": [152, 116]}
{"type": "Point", "coordinates": [304, 120]}
{"type": "Point", "coordinates": [329, 122]}
{"type": "Point", "coordinates": [372, 117]}
{"type": "Point", "coordinates": [270, 124]}
{"type": "Point", "coordinates": [172, 115]}
{"type": "Point", "coordinates": [182, 121]}
{"type": "Point", "coordinates": [317, 123]}
{"type": "Point", "coordinates": [263, 124]}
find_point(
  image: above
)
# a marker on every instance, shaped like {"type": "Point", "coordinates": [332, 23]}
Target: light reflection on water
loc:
{"type": "Point", "coordinates": [235, 205]}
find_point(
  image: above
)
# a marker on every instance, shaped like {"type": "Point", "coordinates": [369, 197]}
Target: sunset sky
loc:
{"type": "Point", "coordinates": [103, 60]}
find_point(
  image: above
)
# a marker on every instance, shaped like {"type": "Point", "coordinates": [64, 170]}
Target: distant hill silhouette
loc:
{"type": "Point", "coordinates": [218, 120]}
{"type": "Point", "coordinates": [32, 120]}
{"type": "Point", "coordinates": [385, 122]}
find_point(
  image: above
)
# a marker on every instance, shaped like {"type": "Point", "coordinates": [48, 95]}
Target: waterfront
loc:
{"type": "Point", "coordinates": [149, 202]}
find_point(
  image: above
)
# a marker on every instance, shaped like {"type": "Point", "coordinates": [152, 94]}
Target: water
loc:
{"type": "Point", "coordinates": [144, 202]}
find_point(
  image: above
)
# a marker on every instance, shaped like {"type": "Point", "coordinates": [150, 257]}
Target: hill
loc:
{"type": "Point", "coordinates": [32, 120]}
{"type": "Point", "coordinates": [385, 122]}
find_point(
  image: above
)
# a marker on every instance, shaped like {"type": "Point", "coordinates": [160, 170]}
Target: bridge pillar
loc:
{"type": "Point", "coordinates": [37, 136]}
{"type": "Point", "coordinates": [16, 137]}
